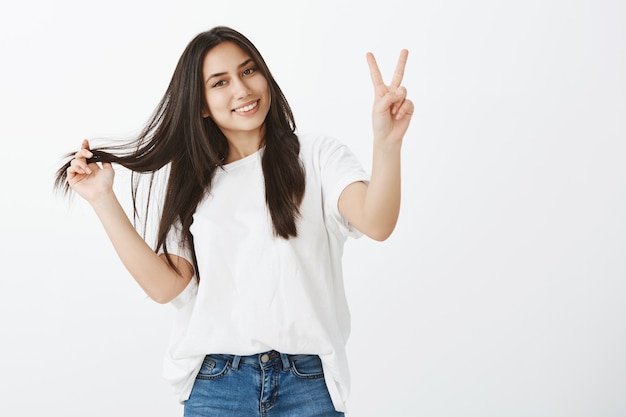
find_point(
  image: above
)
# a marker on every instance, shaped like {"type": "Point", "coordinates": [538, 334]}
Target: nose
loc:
{"type": "Point", "coordinates": [240, 88]}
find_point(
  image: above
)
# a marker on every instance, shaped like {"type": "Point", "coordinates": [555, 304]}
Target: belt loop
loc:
{"type": "Point", "coordinates": [235, 364]}
{"type": "Point", "coordinates": [285, 360]}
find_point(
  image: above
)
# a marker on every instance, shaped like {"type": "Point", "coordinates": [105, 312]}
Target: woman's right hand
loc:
{"type": "Point", "coordinates": [90, 181]}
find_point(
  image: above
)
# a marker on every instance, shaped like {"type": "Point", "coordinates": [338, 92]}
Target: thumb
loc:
{"type": "Point", "coordinates": [386, 101]}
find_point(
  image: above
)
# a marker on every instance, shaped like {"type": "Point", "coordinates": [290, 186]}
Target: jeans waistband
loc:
{"type": "Point", "coordinates": [262, 359]}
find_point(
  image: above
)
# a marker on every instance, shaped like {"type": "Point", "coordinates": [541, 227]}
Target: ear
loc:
{"type": "Point", "coordinates": [205, 113]}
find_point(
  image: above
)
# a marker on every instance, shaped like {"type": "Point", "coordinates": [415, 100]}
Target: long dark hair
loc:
{"type": "Point", "coordinates": [192, 147]}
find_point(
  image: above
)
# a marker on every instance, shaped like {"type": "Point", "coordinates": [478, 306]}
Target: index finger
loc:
{"type": "Point", "coordinates": [399, 72]}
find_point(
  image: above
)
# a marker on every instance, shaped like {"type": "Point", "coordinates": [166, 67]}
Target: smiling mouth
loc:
{"type": "Point", "coordinates": [247, 108]}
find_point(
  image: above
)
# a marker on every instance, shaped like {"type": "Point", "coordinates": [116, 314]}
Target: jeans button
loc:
{"type": "Point", "coordinates": [264, 358]}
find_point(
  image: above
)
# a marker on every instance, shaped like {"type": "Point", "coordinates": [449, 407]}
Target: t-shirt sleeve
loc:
{"type": "Point", "coordinates": [176, 244]}
{"type": "Point", "coordinates": [339, 168]}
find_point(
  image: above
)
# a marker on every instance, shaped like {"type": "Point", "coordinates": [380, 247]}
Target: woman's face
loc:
{"type": "Point", "coordinates": [236, 93]}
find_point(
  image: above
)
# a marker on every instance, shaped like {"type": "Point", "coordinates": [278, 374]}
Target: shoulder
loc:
{"type": "Point", "coordinates": [331, 158]}
{"type": "Point", "coordinates": [318, 145]}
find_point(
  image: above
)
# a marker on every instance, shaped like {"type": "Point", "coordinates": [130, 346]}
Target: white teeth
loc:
{"type": "Point", "coordinates": [247, 108]}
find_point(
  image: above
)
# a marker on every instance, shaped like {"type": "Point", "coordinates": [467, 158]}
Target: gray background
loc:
{"type": "Point", "coordinates": [501, 293]}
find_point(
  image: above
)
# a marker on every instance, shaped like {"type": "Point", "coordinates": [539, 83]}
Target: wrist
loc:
{"type": "Point", "coordinates": [386, 147]}
{"type": "Point", "coordinates": [103, 200]}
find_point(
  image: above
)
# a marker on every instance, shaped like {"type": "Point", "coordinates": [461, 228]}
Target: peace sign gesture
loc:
{"type": "Point", "coordinates": [392, 111]}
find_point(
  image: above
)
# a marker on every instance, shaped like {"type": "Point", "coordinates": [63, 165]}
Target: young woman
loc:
{"type": "Point", "coordinates": [251, 230]}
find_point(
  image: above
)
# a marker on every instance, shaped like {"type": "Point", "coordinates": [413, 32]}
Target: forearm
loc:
{"type": "Point", "coordinates": [152, 273]}
{"type": "Point", "coordinates": [381, 205]}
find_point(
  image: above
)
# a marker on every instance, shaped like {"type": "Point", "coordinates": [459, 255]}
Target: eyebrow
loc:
{"type": "Point", "coordinates": [219, 74]}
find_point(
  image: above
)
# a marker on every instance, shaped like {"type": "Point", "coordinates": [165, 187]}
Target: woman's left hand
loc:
{"type": "Point", "coordinates": [392, 111]}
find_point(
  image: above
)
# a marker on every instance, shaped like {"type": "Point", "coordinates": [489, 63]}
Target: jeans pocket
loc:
{"type": "Point", "coordinates": [214, 367]}
{"type": "Point", "coordinates": [306, 366]}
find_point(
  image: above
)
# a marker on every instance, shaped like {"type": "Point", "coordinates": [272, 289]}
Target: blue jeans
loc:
{"type": "Point", "coordinates": [269, 384]}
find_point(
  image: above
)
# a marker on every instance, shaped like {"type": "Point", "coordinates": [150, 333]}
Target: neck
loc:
{"type": "Point", "coordinates": [243, 144]}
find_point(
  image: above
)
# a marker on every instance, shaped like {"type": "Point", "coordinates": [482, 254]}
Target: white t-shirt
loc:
{"type": "Point", "coordinates": [258, 292]}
